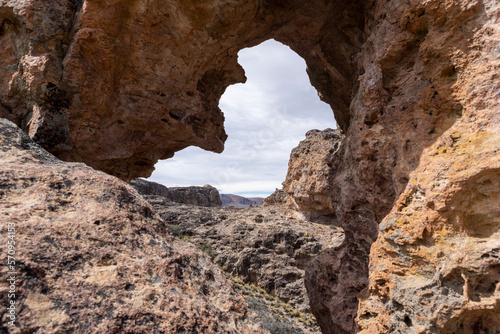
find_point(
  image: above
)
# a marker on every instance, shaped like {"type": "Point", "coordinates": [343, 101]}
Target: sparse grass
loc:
{"type": "Point", "coordinates": [185, 238]}
{"type": "Point", "coordinates": [276, 315]}
{"type": "Point", "coordinates": [175, 229]}
{"type": "Point", "coordinates": [207, 248]}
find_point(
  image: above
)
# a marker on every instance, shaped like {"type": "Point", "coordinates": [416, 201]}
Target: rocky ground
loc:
{"type": "Point", "coordinates": [259, 246]}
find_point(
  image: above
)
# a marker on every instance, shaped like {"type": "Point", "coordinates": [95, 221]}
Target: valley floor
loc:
{"type": "Point", "coordinates": [263, 251]}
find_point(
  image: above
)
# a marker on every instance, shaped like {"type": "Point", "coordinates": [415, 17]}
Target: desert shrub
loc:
{"type": "Point", "coordinates": [176, 230]}
{"type": "Point", "coordinates": [273, 323]}
{"type": "Point", "coordinates": [207, 248]}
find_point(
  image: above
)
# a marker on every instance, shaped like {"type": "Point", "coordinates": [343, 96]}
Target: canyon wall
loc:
{"type": "Point", "coordinates": [435, 267]}
{"type": "Point", "coordinates": [203, 196]}
{"type": "Point", "coordinates": [420, 156]}
{"type": "Point", "coordinates": [414, 86]}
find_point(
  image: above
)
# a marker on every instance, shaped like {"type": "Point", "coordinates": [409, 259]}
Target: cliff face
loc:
{"type": "Point", "coordinates": [424, 128]}
{"type": "Point", "coordinates": [203, 196]}
{"type": "Point", "coordinates": [91, 256]}
{"type": "Point", "coordinates": [428, 112]}
{"type": "Point", "coordinates": [240, 201]}
{"type": "Point", "coordinates": [413, 85]}
{"type": "Point", "coordinates": [278, 198]}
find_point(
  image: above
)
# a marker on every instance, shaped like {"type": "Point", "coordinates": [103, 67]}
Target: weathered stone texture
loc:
{"type": "Point", "coordinates": [428, 98]}
{"type": "Point", "coordinates": [93, 257]}
{"type": "Point", "coordinates": [413, 85]}
{"type": "Point", "coordinates": [202, 196]}
{"type": "Point", "coordinates": [309, 171]}
{"type": "Point", "coordinates": [119, 84]}
{"type": "Point", "coordinates": [435, 265]}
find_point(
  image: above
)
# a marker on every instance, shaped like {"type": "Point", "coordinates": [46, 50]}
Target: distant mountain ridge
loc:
{"type": "Point", "coordinates": [240, 201]}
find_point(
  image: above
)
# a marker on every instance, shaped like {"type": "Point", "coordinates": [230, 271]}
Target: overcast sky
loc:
{"type": "Point", "coordinates": [265, 118]}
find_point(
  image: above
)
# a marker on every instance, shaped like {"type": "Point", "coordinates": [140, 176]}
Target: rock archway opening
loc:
{"type": "Point", "coordinates": [265, 118]}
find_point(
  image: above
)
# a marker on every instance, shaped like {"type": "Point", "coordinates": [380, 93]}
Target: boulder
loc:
{"type": "Point", "coordinates": [309, 173]}
{"type": "Point", "coordinates": [92, 256]}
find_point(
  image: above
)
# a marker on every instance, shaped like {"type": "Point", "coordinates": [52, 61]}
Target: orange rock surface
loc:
{"type": "Point", "coordinates": [414, 86]}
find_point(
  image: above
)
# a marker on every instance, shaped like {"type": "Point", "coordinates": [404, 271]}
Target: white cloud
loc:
{"type": "Point", "coordinates": [265, 119]}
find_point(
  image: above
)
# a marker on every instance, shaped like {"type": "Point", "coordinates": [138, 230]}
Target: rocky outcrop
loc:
{"type": "Point", "coordinates": [240, 201]}
{"type": "Point", "coordinates": [260, 245]}
{"type": "Point", "coordinates": [309, 172]}
{"type": "Point", "coordinates": [423, 137]}
{"type": "Point", "coordinates": [413, 86]}
{"type": "Point", "coordinates": [91, 256]}
{"type": "Point", "coordinates": [150, 188]}
{"type": "Point", "coordinates": [277, 198]}
{"type": "Point", "coordinates": [435, 264]}
{"type": "Point", "coordinates": [202, 196]}
{"type": "Point", "coordinates": [120, 85]}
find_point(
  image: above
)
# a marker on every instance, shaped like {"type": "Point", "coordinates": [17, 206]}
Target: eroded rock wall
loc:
{"type": "Point", "coordinates": [435, 265]}
{"type": "Point", "coordinates": [119, 84]}
{"type": "Point", "coordinates": [423, 148]}
{"type": "Point", "coordinates": [424, 124]}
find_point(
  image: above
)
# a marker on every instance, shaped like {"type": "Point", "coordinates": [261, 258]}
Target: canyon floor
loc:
{"type": "Point", "coordinates": [262, 250]}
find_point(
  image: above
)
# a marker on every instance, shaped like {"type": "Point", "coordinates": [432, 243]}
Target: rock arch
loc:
{"type": "Point", "coordinates": [119, 84]}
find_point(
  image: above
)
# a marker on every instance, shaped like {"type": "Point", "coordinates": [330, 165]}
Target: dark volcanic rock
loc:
{"type": "Point", "coordinates": [202, 196]}
{"type": "Point", "coordinates": [261, 245]}
{"type": "Point", "coordinates": [92, 256]}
